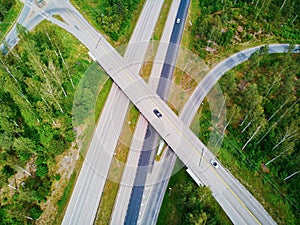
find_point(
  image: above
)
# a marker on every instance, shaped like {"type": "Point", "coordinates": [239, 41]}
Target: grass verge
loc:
{"type": "Point", "coordinates": [62, 203]}
{"type": "Point", "coordinates": [58, 17]}
{"type": "Point", "coordinates": [124, 39]}
{"type": "Point", "coordinates": [102, 98]}
{"type": "Point", "coordinates": [160, 25]}
{"type": "Point", "coordinates": [86, 139]}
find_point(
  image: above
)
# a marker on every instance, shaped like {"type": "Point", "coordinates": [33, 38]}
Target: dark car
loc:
{"type": "Point", "coordinates": [157, 113]}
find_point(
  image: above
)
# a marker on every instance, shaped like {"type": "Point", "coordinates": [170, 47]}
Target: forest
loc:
{"type": "Point", "coordinates": [5, 6]}
{"type": "Point", "coordinates": [112, 17]}
{"type": "Point", "coordinates": [38, 78]}
{"type": "Point", "coordinates": [187, 204]}
{"type": "Point", "coordinates": [262, 140]}
{"type": "Point", "coordinates": [223, 24]}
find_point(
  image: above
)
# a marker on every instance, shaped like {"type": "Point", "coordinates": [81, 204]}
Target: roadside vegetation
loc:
{"type": "Point", "coordinates": [261, 99]}
{"type": "Point", "coordinates": [116, 19]}
{"type": "Point", "coordinates": [261, 143]}
{"type": "Point", "coordinates": [9, 11]}
{"type": "Point", "coordinates": [159, 28]}
{"type": "Point", "coordinates": [186, 203]}
{"type": "Point", "coordinates": [38, 78]}
{"type": "Point", "coordinates": [117, 167]}
{"type": "Point", "coordinates": [223, 27]}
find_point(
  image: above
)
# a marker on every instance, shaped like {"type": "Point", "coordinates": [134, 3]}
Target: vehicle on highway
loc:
{"type": "Point", "coordinates": [214, 163]}
{"type": "Point", "coordinates": [178, 20]}
{"type": "Point", "coordinates": [157, 113]}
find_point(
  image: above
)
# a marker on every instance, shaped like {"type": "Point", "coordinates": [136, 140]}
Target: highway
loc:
{"type": "Point", "coordinates": [124, 193]}
{"type": "Point", "coordinates": [180, 138]}
{"type": "Point", "coordinates": [83, 204]}
{"type": "Point", "coordinates": [172, 129]}
{"type": "Point", "coordinates": [170, 61]}
{"type": "Point", "coordinates": [151, 141]}
{"type": "Point", "coordinates": [112, 67]}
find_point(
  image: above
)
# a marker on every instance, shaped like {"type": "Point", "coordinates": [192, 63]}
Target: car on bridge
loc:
{"type": "Point", "coordinates": [157, 113]}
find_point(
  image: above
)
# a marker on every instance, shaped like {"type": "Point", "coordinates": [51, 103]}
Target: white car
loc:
{"type": "Point", "coordinates": [178, 20]}
{"type": "Point", "coordinates": [214, 163]}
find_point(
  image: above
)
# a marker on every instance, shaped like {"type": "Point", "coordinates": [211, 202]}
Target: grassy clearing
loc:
{"type": "Point", "coordinates": [9, 19]}
{"type": "Point", "coordinates": [94, 12]}
{"type": "Point", "coordinates": [184, 85]}
{"type": "Point", "coordinates": [116, 169]}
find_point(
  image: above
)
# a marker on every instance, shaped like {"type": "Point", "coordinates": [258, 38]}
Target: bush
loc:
{"type": "Point", "coordinates": [35, 212]}
{"type": "Point", "coordinates": [42, 170]}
